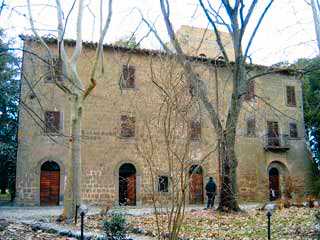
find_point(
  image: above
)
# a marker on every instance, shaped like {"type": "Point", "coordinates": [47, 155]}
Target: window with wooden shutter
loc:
{"type": "Point", "coordinates": [250, 91]}
{"type": "Point", "coordinates": [127, 126]}
{"type": "Point", "coordinates": [128, 77]}
{"type": "Point", "coordinates": [273, 133]}
{"type": "Point", "coordinates": [293, 130]}
{"type": "Point", "coordinates": [54, 70]}
{"type": "Point", "coordinates": [163, 184]}
{"type": "Point", "coordinates": [52, 121]}
{"type": "Point", "coordinates": [195, 130]}
{"type": "Point", "coordinates": [251, 127]}
{"type": "Point", "coordinates": [291, 96]}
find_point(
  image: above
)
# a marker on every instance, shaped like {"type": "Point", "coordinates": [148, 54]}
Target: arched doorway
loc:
{"type": "Point", "coordinates": [196, 185]}
{"type": "Point", "coordinates": [274, 184]}
{"type": "Point", "coordinates": [49, 184]}
{"type": "Point", "coordinates": [127, 185]}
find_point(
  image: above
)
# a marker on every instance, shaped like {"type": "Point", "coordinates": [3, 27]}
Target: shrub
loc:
{"type": "Point", "coordinates": [314, 180]}
{"type": "Point", "coordinates": [116, 227]}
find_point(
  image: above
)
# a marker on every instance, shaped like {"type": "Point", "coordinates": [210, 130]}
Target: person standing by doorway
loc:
{"type": "Point", "coordinates": [211, 192]}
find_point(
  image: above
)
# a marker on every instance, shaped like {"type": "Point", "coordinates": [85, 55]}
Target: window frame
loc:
{"type": "Point", "coordinates": [127, 72]}
{"type": "Point", "coordinates": [195, 131]}
{"type": "Point", "coordinates": [52, 131]}
{"type": "Point", "coordinates": [163, 187]}
{"type": "Point", "coordinates": [248, 132]}
{"type": "Point", "coordinates": [291, 100]}
{"type": "Point", "coordinates": [57, 70]}
{"type": "Point", "coordinates": [295, 130]}
{"type": "Point", "coordinates": [250, 91]}
{"type": "Point", "coordinates": [125, 126]}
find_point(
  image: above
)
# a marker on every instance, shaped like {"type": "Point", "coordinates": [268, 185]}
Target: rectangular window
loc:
{"type": "Point", "coordinates": [195, 130]}
{"type": "Point", "coordinates": [163, 184]}
{"type": "Point", "coordinates": [273, 134]}
{"type": "Point", "coordinates": [291, 96]}
{"type": "Point", "coordinates": [52, 121]}
{"type": "Point", "coordinates": [293, 130]}
{"type": "Point", "coordinates": [250, 91]}
{"type": "Point", "coordinates": [128, 77]}
{"type": "Point", "coordinates": [53, 70]}
{"type": "Point", "coordinates": [251, 127]}
{"type": "Point", "coordinates": [127, 126]}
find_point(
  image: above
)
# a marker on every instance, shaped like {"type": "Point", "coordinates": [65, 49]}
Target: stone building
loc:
{"type": "Point", "coordinates": [271, 148]}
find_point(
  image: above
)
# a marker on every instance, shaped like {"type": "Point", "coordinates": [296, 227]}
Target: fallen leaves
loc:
{"type": "Point", "coordinates": [292, 223]}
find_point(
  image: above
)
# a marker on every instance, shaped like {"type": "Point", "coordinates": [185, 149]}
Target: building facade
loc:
{"type": "Point", "coordinates": [271, 148]}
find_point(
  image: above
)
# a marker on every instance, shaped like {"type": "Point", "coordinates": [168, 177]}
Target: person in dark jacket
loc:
{"type": "Point", "coordinates": [211, 192]}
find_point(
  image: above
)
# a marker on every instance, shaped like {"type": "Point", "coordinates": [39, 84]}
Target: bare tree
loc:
{"type": "Point", "coordinates": [315, 5]}
{"type": "Point", "coordinates": [168, 142]}
{"type": "Point", "coordinates": [75, 88]}
{"type": "Point", "coordinates": [238, 16]}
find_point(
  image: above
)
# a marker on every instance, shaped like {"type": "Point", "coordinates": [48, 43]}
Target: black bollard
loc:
{"type": "Point", "coordinates": [81, 226]}
{"type": "Point", "coordinates": [76, 215]}
{"type": "Point", "coordinates": [269, 224]}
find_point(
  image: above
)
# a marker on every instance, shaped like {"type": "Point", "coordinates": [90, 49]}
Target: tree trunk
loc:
{"type": "Point", "coordinates": [72, 193]}
{"type": "Point", "coordinates": [316, 18]}
{"type": "Point", "coordinates": [228, 187]}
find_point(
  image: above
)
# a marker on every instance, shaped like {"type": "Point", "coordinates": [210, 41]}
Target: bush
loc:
{"type": "Point", "coordinates": [116, 227]}
{"type": "Point", "coordinates": [314, 180]}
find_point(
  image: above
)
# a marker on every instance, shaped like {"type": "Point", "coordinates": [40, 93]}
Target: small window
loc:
{"type": "Point", "coordinates": [195, 130]}
{"type": "Point", "coordinates": [128, 77]}
{"type": "Point", "coordinates": [163, 184]}
{"type": "Point", "coordinates": [53, 71]}
{"type": "Point", "coordinates": [202, 55]}
{"type": "Point", "coordinates": [293, 130]}
{"type": "Point", "coordinates": [52, 121]}
{"type": "Point", "coordinates": [251, 127]}
{"type": "Point", "coordinates": [250, 91]}
{"type": "Point", "coordinates": [291, 96]}
{"type": "Point", "coordinates": [127, 126]}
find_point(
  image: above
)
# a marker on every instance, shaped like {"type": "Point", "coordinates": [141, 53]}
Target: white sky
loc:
{"type": "Point", "coordinates": [286, 34]}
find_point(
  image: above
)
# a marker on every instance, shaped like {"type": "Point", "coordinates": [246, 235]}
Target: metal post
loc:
{"type": "Point", "coordinates": [269, 225]}
{"type": "Point", "coordinates": [81, 226]}
{"type": "Point", "coordinates": [76, 215]}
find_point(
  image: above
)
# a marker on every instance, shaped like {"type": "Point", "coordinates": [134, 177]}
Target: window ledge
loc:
{"type": "Point", "coordinates": [295, 138]}
{"type": "Point", "coordinates": [127, 139]}
{"type": "Point", "coordinates": [250, 136]}
{"type": "Point", "coordinates": [291, 106]}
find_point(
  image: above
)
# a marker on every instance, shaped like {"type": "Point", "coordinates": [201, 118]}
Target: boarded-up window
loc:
{"type": "Point", "coordinates": [251, 127]}
{"type": "Point", "coordinates": [127, 126]}
{"type": "Point", "coordinates": [163, 184]}
{"type": "Point", "coordinates": [52, 121]}
{"type": "Point", "coordinates": [293, 130]}
{"type": "Point", "coordinates": [195, 130]}
{"type": "Point", "coordinates": [128, 76]}
{"type": "Point", "coordinates": [250, 91]}
{"type": "Point", "coordinates": [53, 70]}
{"type": "Point", "coordinates": [291, 96]}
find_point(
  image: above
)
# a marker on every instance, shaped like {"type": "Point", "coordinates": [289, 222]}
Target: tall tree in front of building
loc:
{"type": "Point", "coordinates": [74, 87]}
{"type": "Point", "coordinates": [235, 16]}
{"type": "Point", "coordinates": [9, 98]}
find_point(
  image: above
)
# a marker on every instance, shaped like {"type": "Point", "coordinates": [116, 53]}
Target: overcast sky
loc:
{"type": "Point", "coordinates": [286, 34]}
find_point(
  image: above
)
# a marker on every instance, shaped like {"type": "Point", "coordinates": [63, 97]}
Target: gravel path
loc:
{"type": "Point", "coordinates": [37, 213]}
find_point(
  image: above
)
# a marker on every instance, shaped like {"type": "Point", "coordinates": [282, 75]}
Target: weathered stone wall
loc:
{"type": "Point", "coordinates": [104, 151]}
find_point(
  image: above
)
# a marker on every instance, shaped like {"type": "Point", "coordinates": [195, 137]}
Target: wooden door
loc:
{"type": "Point", "coordinates": [131, 197]}
{"type": "Point", "coordinates": [196, 188]}
{"type": "Point", "coordinates": [273, 134]}
{"type": "Point", "coordinates": [274, 184]}
{"type": "Point", "coordinates": [49, 188]}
